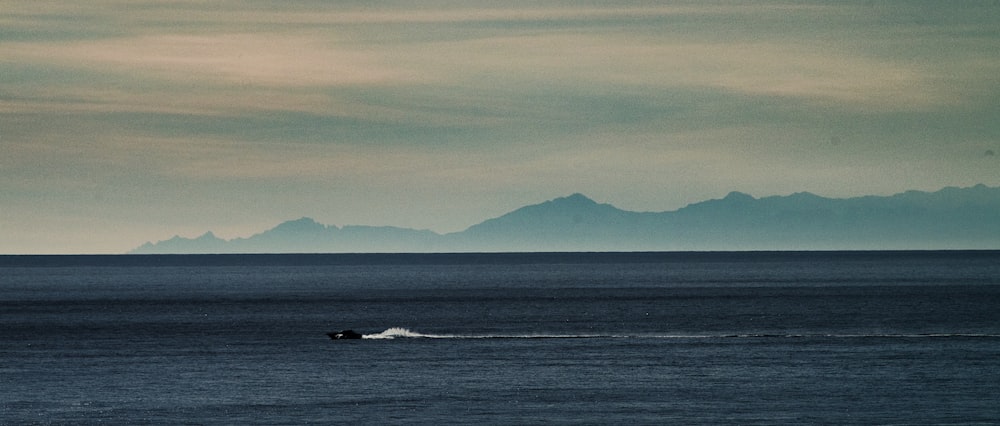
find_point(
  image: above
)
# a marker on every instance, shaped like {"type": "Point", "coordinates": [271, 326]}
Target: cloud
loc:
{"type": "Point", "coordinates": [165, 110]}
{"type": "Point", "coordinates": [272, 60]}
{"type": "Point", "coordinates": [448, 58]}
{"type": "Point", "coordinates": [803, 72]}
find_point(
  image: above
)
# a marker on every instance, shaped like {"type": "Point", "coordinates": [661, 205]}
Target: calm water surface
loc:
{"type": "Point", "coordinates": [646, 338]}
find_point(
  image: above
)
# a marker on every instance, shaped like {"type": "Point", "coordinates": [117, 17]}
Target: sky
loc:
{"type": "Point", "coordinates": [129, 121]}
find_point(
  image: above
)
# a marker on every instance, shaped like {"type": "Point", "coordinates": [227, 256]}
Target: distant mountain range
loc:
{"type": "Point", "coordinates": [952, 218]}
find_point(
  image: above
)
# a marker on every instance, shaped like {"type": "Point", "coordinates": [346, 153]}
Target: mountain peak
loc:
{"type": "Point", "coordinates": [303, 225]}
{"type": "Point", "coordinates": [738, 196]}
{"type": "Point", "coordinates": [576, 199]}
{"type": "Point", "coordinates": [208, 236]}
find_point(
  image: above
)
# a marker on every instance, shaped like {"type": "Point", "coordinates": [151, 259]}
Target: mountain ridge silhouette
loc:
{"type": "Point", "coordinates": [950, 218]}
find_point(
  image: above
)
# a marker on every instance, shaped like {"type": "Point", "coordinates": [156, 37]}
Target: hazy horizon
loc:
{"type": "Point", "coordinates": [123, 124]}
{"type": "Point", "coordinates": [949, 219]}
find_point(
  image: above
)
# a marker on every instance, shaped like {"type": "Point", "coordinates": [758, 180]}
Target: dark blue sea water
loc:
{"type": "Point", "coordinates": [597, 338]}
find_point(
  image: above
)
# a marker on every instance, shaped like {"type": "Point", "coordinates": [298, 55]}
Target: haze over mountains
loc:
{"type": "Point", "coordinates": [952, 218]}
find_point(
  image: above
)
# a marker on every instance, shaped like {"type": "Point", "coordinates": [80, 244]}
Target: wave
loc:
{"type": "Point", "coordinates": [400, 332]}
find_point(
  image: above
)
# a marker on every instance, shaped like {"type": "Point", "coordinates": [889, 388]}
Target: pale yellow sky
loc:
{"type": "Point", "coordinates": [128, 121]}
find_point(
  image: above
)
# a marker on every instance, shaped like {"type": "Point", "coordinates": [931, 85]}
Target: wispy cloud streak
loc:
{"type": "Point", "coordinates": [343, 107]}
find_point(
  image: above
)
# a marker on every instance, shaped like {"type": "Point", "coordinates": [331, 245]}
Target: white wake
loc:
{"type": "Point", "coordinates": [404, 333]}
{"type": "Point", "coordinates": [399, 332]}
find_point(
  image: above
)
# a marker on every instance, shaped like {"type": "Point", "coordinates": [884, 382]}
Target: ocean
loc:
{"type": "Point", "coordinates": [505, 338]}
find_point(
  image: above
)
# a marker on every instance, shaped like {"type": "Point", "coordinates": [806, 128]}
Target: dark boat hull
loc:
{"type": "Point", "coordinates": [346, 334]}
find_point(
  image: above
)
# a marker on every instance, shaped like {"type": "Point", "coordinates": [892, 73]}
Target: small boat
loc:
{"type": "Point", "coordinates": [346, 334]}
